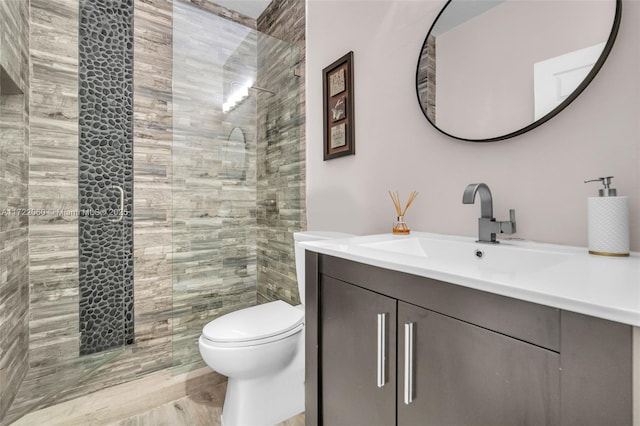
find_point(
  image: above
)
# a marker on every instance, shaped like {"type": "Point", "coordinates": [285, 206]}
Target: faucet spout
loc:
{"type": "Point", "coordinates": [487, 225]}
{"type": "Point", "coordinates": [486, 201]}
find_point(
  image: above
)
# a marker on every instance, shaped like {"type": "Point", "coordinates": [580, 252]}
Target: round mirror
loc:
{"type": "Point", "coordinates": [493, 69]}
{"type": "Point", "coordinates": [233, 156]}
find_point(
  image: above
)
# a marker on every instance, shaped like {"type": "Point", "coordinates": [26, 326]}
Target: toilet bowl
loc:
{"type": "Point", "coordinates": [261, 351]}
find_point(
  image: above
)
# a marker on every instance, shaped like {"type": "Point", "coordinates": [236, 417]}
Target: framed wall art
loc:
{"type": "Point", "coordinates": [337, 89]}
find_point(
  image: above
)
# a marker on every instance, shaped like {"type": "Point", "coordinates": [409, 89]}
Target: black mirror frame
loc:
{"type": "Point", "coordinates": [596, 68]}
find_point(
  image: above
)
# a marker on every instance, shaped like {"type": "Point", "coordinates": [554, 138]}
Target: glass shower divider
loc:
{"type": "Point", "coordinates": [223, 85]}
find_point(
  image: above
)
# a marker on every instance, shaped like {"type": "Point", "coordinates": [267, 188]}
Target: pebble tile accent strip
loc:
{"type": "Point", "coordinates": [105, 169]}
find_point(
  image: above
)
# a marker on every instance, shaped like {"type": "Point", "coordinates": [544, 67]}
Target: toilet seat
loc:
{"type": "Point", "coordinates": [255, 325]}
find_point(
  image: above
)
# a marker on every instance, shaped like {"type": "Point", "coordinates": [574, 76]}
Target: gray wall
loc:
{"type": "Point", "coordinates": [14, 229]}
{"type": "Point", "coordinates": [540, 174]}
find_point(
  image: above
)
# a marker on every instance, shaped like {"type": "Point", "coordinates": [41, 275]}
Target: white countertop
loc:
{"type": "Point", "coordinates": [563, 277]}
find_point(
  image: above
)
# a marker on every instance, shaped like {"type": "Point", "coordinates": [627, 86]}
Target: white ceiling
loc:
{"type": "Point", "coordinates": [250, 8]}
{"type": "Point", "coordinates": [460, 12]}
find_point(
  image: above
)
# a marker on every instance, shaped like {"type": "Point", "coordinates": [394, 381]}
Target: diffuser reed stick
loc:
{"type": "Point", "coordinates": [400, 227]}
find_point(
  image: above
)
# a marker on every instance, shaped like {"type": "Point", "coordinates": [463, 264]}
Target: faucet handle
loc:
{"type": "Point", "coordinates": [508, 226]}
{"type": "Point", "coordinates": [512, 219]}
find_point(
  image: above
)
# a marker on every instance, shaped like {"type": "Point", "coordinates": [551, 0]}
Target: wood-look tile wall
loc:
{"type": "Point", "coordinates": [14, 41]}
{"type": "Point", "coordinates": [195, 223]}
{"type": "Point", "coordinates": [281, 148]}
{"type": "Point", "coordinates": [57, 372]}
{"type": "Point", "coordinates": [153, 122]}
{"type": "Point", "coordinates": [53, 255]}
{"type": "Point", "coordinates": [14, 166]}
{"type": "Point", "coordinates": [152, 349]}
{"type": "Point", "coordinates": [427, 85]}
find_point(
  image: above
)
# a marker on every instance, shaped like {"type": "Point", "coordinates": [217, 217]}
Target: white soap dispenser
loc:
{"type": "Point", "coordinates": [608, 217]}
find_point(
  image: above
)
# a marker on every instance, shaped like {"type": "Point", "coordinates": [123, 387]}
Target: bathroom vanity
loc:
{"type": "Point", "coordinates": [410, 331]}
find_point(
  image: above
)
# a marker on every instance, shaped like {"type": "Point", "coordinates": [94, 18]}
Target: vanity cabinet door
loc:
{"type": "Point", "coordinates": [462, 374]}
{"type": "Point", "coordinates": [358, 355]}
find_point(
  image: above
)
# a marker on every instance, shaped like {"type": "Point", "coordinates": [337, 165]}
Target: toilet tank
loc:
{"type": "Point", "coordinates": [299, 237]}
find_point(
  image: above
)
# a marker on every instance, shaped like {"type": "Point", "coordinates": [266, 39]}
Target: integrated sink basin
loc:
{"type": "Point", "coordinates": [564, 277]}
{"type": "Point", "coordinates": [461, 253]}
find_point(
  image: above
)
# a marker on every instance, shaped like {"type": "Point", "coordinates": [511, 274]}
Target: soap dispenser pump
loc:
{"type": "Point", "coordinates": [608, 219]}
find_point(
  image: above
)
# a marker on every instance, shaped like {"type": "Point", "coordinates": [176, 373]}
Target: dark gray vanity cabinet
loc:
{"type": "Point", "coordinates": [448, 372]}
{"type": "Point", "coordinates": [354, 333]}
{"type": "Point", "coordinates": [387, 348]}
{"type": "Point", "coordinates": [463, 374]}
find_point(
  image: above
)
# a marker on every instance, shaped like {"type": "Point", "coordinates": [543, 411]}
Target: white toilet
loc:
{"type": "Point", "coordinates": [261, 350]}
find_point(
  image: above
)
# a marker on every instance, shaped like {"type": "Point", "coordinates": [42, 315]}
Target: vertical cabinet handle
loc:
{"type": "Point", "coordinates": [408, 363]}
{"type": "Point", "coordinates": [382, 349]}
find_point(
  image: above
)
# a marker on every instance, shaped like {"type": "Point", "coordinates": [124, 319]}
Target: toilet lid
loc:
{"type": "Point", "coordinates": [254, 323]}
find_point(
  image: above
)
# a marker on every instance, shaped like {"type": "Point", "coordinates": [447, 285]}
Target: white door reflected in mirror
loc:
{"type": "Point", "coordinates": [554, 79]}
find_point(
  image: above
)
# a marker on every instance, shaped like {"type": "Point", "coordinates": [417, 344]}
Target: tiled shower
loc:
{"type": "Point", "coordinates": [151, 177]}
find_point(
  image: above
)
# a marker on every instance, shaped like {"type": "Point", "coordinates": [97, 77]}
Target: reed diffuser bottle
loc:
{"type": "Point", "coordinates": [400, 227]}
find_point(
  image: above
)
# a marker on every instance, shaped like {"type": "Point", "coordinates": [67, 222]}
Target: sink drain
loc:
{"type": "Point", "coordinates": [479, 254]}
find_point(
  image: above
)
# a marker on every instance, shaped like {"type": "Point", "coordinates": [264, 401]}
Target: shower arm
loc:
{"type": "Point", "coordinates": [260, 89]}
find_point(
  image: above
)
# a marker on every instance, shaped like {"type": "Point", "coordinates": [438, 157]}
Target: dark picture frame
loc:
{"type": "Point", "coordinates": [337, 95]}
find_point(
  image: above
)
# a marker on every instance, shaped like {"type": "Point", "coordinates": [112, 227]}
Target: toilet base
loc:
{"type": "Point", "coordinates": [266, 400]}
